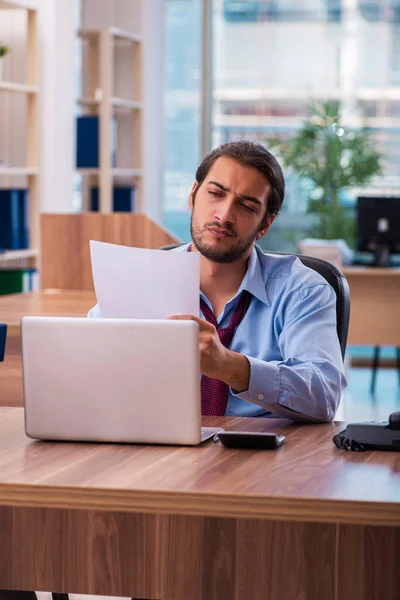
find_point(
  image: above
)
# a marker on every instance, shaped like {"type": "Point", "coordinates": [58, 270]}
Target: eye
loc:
{"type": "Point", "coordinates": [215, 194]}
{"type": "Point", "coordinates": [247, 207]}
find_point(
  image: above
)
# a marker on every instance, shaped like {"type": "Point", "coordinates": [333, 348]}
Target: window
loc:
{"type": "Point", "coordinates": [273, 58]}
{"type": "Point", "coordinates": [182, 133]}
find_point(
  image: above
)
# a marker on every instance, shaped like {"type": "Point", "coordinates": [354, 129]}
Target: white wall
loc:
{"type": "Point", "coordinates": [58, 79]}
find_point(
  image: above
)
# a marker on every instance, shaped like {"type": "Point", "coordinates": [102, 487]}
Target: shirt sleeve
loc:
{"type": "Point", "coordinates": [306, 385]}
{"type": "Point", "coordinates": [94, 313]}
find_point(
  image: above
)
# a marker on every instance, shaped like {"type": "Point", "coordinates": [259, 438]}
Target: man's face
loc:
{"type": "Point", "coordinates": [228, 211]}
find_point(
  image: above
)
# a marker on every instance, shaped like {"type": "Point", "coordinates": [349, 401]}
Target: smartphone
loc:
{"type": "Point", "coordinates": [251, 439]}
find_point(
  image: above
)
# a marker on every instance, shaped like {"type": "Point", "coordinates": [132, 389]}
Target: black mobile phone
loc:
{"type": "Point", "coordinates": [251, 439]}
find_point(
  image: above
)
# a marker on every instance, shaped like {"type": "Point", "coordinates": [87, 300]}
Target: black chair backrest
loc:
{"type": "Point", "coordinates": [3, 333]}
{"type": "Point", "coordinates": [335, 278]}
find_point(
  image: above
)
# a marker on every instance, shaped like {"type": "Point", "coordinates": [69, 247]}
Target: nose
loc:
{"type": "Point", "coordinates": [224, 212]}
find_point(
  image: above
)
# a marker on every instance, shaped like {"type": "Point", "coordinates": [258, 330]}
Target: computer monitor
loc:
{"type": "Point", "coordinates": [378, 227]}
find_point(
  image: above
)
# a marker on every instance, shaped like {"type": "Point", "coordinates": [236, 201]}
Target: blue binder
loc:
{"type": "Point", "coordinates": [9, 231]}
{"type": "Point", "coordinates": [123, 199]}
{"type": "Point", "coordinates": [3, 335]}
{"type": "Point", "coordinates": [23, 205]}
{"type": "Point", "coordinates": [87, 142]}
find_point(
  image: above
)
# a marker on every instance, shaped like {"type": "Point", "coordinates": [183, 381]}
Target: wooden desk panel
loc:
{"type": "Point", "coordinates": [375, 306]}
{"type": "Point", "coordinates": [306, 521]}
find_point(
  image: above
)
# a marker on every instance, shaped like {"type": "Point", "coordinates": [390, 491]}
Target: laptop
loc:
{"type": "Point", "coordinates": [112, 380]}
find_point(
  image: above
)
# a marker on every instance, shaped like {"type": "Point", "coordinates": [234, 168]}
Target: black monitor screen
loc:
{"type": "Point", "coordinates": [378, 224]}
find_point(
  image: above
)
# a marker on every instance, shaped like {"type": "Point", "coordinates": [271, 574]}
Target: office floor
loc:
{"type": "Point", "coordinates": [359, 405]}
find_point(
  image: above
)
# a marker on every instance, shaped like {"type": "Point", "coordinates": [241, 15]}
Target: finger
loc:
{"type": "Point", "coordinates": [204, 325]}
{"type": "Point", "coordinates": [186, 318]}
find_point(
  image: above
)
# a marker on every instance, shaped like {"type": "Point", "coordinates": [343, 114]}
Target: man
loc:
{"type": "Point", "coordinates": [268, 340]}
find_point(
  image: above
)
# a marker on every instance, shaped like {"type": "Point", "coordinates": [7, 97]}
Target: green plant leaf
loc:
{"type": "Point", "coordinates": [332, 158]}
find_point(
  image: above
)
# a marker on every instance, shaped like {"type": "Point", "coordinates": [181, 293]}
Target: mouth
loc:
{"type": "Point", "coordinates": [218, 232]}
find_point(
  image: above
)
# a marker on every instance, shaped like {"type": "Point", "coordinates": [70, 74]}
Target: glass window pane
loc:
{"type": "Point", "coordinates": [272, 59]}
{"type": "Point", "coordinates": [182, 134]}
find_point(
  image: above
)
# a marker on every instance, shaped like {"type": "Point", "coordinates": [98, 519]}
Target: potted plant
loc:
{"type": "Point", "coordinates": [3, 51]}
{"type": "Point", "coordinates": [333, 158]}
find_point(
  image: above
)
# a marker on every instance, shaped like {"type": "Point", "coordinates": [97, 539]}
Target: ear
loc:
{"type": "Point", "coordinates": [266, 227]}
{"type": "Point", "coordinates": [191, 203]}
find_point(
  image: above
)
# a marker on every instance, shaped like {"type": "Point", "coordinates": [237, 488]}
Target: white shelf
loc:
{"type": "Point", "coordinates": [10, 255]}
{"type": "Point", "coordinates": [114, 31]}
{"type": "Point", "coordinates": [18, 171]}
{"type": "Point", "coordinates": [127, 172]}
{"type": "Point", "coordinates": [104, 103]}
{"type": "Point", "coordinates": [18, 87]}
{"type": "Point", "coordinates": [129, 104]}
{"type": "Point", "coordinates": [125, 35]}
{"type": "Point", "coordinates": [116, 102]}
{"type": "Point", "coordinates": [88, 101]}
{"type": "Point", "coordinates": [115, 172]}
{"type": "Point", "coordinates": [17, 4]}
{"type": "Point", "coordinates": [87, 171]}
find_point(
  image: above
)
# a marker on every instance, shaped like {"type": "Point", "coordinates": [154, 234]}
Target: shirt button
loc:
{"type": "Point", "coordinates": [260, 396]}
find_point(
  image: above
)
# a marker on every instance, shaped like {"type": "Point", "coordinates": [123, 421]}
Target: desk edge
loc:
{"type": "Point", "coordinates": [319, 510]}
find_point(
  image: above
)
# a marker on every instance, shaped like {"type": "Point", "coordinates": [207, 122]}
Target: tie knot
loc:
{"type": "Point", "coordinates": [226, 334]}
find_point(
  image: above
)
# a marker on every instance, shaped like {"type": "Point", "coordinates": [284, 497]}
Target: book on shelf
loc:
{"type": "Point", "coordinates": [87, 142]}
{"type": "Point", "coordinates": [16, 281]}
{"type": "Point", "coordinates": [123, 199]}
{"type": "Point", "coordinates": [14, 220]}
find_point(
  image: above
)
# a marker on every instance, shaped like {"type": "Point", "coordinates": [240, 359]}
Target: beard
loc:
{"type": "Point", "coordinates": [237, 251]}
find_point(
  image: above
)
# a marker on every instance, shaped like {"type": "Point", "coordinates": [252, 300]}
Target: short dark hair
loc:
{"type": "Point", "coordinates": [250, 154]}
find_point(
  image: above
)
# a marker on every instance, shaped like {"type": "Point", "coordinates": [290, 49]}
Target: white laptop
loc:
{"type": "Point", "coordinates": [112, 380]}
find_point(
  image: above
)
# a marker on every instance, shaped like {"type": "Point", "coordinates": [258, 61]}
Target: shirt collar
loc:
{"type": "Point", "coordinates": [255, 279]}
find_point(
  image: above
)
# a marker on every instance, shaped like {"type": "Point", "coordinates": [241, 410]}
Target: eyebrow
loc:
{"type": "Point", "coordinates": [242, 196]}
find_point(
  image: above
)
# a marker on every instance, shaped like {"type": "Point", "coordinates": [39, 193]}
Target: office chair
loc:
{"type": "Point", "coordinates": [337, 281]}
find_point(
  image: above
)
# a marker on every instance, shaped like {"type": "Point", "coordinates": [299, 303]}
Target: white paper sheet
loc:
{"type": "Point", "coordinates": [137, 283]}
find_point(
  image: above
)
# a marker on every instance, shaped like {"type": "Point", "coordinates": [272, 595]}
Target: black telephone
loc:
{"type": "Point", "coordinates": [371, 436]}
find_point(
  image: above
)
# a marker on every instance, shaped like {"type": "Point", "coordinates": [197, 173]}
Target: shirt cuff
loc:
{"type": "Point", "coordinates": [263, 384]}
{"type": "Point", "coordinates": [265, 389]}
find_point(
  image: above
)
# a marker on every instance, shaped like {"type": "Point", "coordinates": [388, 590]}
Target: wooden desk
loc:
{"type": "Point", "coordinates": [375, 306]}
{"type": "Point", "coordinates": [50, 303]}
{"type": "Point", "coordinates": [13, 307]}
{"type": "Point", "coordinates": [307, 521]}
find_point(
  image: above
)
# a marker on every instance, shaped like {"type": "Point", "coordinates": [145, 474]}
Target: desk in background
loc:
{"type": "Point", "coordinates": [375, 306]}
{"type": "Point", "coordinates": [206, 523]}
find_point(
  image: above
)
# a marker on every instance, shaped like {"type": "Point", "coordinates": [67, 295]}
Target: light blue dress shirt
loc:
{"type": "Point", "coordinates": [289, 338]}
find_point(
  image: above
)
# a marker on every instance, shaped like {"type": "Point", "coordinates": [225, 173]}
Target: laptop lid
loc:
{"type": "Point", "coordinates": [111, 380]}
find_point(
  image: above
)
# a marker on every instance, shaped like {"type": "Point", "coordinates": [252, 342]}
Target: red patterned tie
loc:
{"type": "Point", "coordinates": [214, 393]}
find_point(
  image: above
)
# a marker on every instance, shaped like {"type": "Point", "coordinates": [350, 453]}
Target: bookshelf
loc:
{"type": "Point", "coordinates": [101, 62]}
{"type": "Point", "coordinates": [30, 170]}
